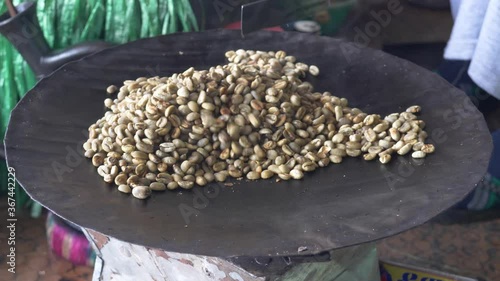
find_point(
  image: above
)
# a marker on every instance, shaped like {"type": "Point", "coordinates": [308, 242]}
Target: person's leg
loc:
{"type": "Point", "coordinates": [485, 64]}
{"type": "Point", "coordinates": [431, 4]}
{"type": "Point", "coordinates": [465, 54]}
{"type": "Point", "coordinates": [487, 193]}
{"type": "Point", "coordinates": [466, 29]}
{"type": "Point", "coordinates": [455, 5]}
{"type": "Point", "coordinates": [484, 70]}
{"type": "Point", "coordinates": [461, 49]}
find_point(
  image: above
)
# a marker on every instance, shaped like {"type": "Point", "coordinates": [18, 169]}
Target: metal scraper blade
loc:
{"type": "Point", "coordinates": [268, 13]}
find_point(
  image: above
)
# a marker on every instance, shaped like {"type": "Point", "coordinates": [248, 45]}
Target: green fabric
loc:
{"type": "Point", "coordinates": [15, 79]}
{"type": "Point", "coordinates": [485, 196]}
{"type": "Point", "coordinates": [494, 193]}
{"type": "Point", "coordinates": [68, 22]}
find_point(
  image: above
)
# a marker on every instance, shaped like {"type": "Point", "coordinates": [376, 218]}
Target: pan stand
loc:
{"type": "Point", "coordinates": [118, 260]}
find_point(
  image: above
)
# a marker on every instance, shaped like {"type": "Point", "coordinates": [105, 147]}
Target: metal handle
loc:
{"type": "Point", "coordinates": [11, 8]}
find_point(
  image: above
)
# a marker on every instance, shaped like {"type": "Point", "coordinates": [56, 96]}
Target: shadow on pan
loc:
{"type": "Point", "coordinates": [333, 207]}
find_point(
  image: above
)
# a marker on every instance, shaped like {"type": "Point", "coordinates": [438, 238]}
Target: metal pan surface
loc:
{"type": "Point", "coordinates": [333, 207]}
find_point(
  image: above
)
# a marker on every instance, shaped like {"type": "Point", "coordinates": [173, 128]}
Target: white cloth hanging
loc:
{"type": "Point", "coordinates": [476, 37]}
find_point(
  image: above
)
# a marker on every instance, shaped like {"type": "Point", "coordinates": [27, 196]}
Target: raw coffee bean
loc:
{"type": "Point", "coordinates": [124, 188]}
{"type": "Point", "coordinates": [141, 192]}
{"type": "Point", "coordinates": [253, 175]}
{"type": "Point", "coordinates": [418, 154]}
{"type": "Point", "coordinates": [405, 149]}
{"type": "Point", "coordinates": [157, 186]}
{"type": "Point", "coordinates": [296, 174]}
{"type": "Point", "coordinates": [428, 148]}
{"type": "Point", "coordinates": [111, 89]}
{"type": "Point", "coordinates": [369, 156]}
{"type": "Point", "coordinates": [314, 70]}
{"type": "Point", "coordinates": [384, 159]}
{"type": "Point", "coordinates": [186, 184]}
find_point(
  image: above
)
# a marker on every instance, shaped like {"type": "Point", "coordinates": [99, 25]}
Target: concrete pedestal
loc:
{"type": "Point", "coordinates": [118, 260]}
